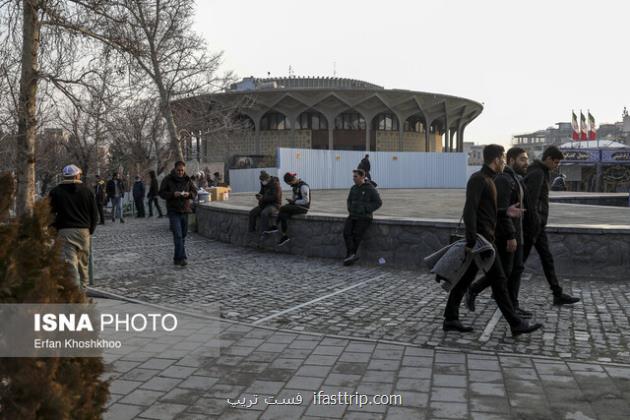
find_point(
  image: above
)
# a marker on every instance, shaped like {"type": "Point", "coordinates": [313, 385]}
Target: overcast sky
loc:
{"type": "Point", "coordinates": [529, 62]}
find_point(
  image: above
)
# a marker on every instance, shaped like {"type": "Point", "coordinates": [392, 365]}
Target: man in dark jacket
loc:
{"type": "Point", "coordinates": [152, 195]}
{"type": "Point", "coordinates": [178, 191]}
{"type": "Point", "coordinates": [537, 184]}
{"type": "Point", "coordinates": [269, 201]}
{"type": "Point", "coordinates": [116, 192]}
{"type": "Point", "coordinates": [365, 166]}
{"type": "Point", "coordinates": [74, 207]}
{"type": "Point", "coordinates": [480, 217]}
{"type": "Point", "coordinates": [298, 204]}
{"type": "Point", "coordinates": [138, 196]}
{"type": "Point", "coordinates": [101, 198]}
{"type": "Point", "coordinates": [363, 200]}
{"type": "Point", "coordinates": [509, 231]}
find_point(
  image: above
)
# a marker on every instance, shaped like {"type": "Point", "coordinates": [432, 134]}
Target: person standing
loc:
{"type": "Point", "coordinates": [269, 201]}
{"type": "Point", "coordinates": [138, 196]}
{"type": "Point", "coordinates": [76, 214]}
{"type": "Point", "coordinates": [365, 166]}
{"type": "Point", "coordinates": [178, 191]}
{"type": "Point", "coordinates": [509, 230]}
{"type": "Point", "coordinates": [480, 217]}
{"type": "Point", "coordinates": [298, 204]}
{"type": "Point", "coordinates": [537, 184]}
{"type": "Point", "coordinates": [115, 192]}
{"type": "Point", "coordinates": [363, 200]}
{"type": "Point", "coordinates": [101, 198]}
{"type": "Point", "coordinates": [152, 195]}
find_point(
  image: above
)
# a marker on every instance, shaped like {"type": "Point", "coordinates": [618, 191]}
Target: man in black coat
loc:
{"type": "Point", "coordinates": [365, 166]}
{"type": "Point", "coordinates": [101, 198]}
{"type": "Point", "coordinates": [74, 207]}
{"type": "Point", "coordinates": [178, 190]}
{"type": "Point", "coordinates": [509, 231]}
{"type": "Point", "coordinates": [269, 201]}
{"type": "Point", "coordinates": [138, 196]}
{"type": "Point", "coordinates": [152, 195]}
{"type": "Point", "coordinates": [363, 200]}
{"type": "Point", "coordinates": [480, 217]}
{"type": "Point", "coordinates": [116, 192]}
{"type": "Point", "coordinates": [537, 184]}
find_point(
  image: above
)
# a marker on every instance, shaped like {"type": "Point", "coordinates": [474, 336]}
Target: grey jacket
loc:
{"type": "Point", "coordinates": [451, 262]}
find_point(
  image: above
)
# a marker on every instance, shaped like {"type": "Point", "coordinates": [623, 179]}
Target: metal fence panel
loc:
{"type": "Point", "coordinates": [246, 180]}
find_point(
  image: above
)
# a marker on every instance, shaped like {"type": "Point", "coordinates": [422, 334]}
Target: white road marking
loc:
{"type": "Point", "coordinates": [487, 332]}
{"type": "Point", "coordinates": [310, 302]}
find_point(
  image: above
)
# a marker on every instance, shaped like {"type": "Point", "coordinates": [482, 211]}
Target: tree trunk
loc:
{"type": "Point", "coordinates": [167, 113]}
{"type": "Point", "coordinates": [27, 108]}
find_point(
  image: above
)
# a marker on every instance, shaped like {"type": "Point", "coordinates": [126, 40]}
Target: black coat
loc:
{"type": "Point", "coordinates": [509, 187]}
{"type": "Point", "coordinates": [138, 190]}
{"type": "Point", "coordinates": [363, 200]}
{"type": "Point", "coordinates": [537, 184]}
{"type": "Point", "coordinates": [172, 183]}
{"type": "Point", "coordinates": [111, 187]}
{"type": "Point", "coordinates": [480, 210]}
{"type": "Point", "coordinates": [153, 188]}
{"type": "Point", "coordinates": [74, 206]}
{"type": "Point", "coordinates": [271, 194]}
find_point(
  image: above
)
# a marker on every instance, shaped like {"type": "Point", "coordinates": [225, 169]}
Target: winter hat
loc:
{"type": "Point", "coordinates": [264, 176]}
{"type": "Point", "coordinates": [70, 171]}
{"type": "Point", "coordinates": [289, 176]}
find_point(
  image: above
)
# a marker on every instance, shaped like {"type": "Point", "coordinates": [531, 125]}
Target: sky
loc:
{"type": "Point", "coordinates": [530, 63]}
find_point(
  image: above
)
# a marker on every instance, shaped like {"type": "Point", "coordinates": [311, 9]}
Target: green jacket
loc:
{"type": "Point", "coordinates": [363, 201]}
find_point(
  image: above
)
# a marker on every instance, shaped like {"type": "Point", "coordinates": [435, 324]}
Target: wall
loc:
{"type": "Point", "coordinates": [247, 180]}
{"type": "Point", "coordinates": [242, 142]}
{"type": "Point", "coordinates": [389, 141]}
{"type": "Point", "coordinates": [601, 253]}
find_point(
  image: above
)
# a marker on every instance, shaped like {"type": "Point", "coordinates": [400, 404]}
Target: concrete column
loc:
{"type": "Point", "coordinates": [427, 135]}
{"type": "Point", "coordinates": [331, 145]}
{"type": "Point", "coordinates": [447, 137]}
{"type": "Point", "coordinates": [460, 139]}
{"type": "Point", "coordinates": [367, 136]}
{"type": "Point", "coordinates": [257, 135]}
{"type": "Point", "coordinates": [401, 135]}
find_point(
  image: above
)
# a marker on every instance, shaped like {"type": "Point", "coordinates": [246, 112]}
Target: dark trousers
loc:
{"type": "Point", "coordinates": [139, 206]}
{"type": "Point", "coordinates": [179, 227]}
{"type": "Point", "coordinates": [266, 214]}
{"type": "Point", "coordinates": [285, 214]}
{"type": "Point", "coordinates": [541, 243]}
{"type": "Point", "coordinates": [512, 263]}
{"type": "Point", "coordinates": [101, 214]}
{"type": "Point", "coordinates": [498, 282]}
{"type": "Point", "coordinates": [353, 232]}
{"type": "Point", "coordinates": [152, 201]}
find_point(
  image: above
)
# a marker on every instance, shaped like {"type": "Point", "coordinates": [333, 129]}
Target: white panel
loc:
{"type": "Point", "coordinates": [246, 180]}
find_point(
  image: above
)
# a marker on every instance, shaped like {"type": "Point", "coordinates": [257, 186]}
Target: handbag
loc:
{"type": "Point", "coordinates": [459, 234]}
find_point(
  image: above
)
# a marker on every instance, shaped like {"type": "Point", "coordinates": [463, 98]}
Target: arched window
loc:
{"type": "Point", "coordinates": [349, 121]}
{"type": "Point", "coordinates": [243, 122]}
{"type": "Point", "coordinates": [414, 123]}
{"type": "Point", "coordinates": [274, 121]}
{"type": "Point", "coordinates": [311, 120]}
{"type": "Point", "coordinates": [385, 122]}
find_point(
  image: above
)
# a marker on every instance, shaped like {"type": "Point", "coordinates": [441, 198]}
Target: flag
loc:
{"type": "Point", "coordinates": [575, 135]}
{"type": "Point", "coordinates": [583, 129]}
{"type": "Point", "coordinates": [592, 134]}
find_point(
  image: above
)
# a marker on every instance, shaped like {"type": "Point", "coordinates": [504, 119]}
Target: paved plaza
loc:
{"type": "Point", "coordinates": [291, 325]}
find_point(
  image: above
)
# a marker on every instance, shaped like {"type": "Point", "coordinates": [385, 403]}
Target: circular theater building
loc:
{"type": "Point", "coordinates": [243, 126]}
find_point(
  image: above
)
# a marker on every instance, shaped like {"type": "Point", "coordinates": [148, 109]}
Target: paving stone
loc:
{"type": "Point", "coordinates": [449, 394]}
{"type": "Point", "coordinates": [163, 411]}
{"type": "Point", "coordinates": [305, 383]}
{"type": "Point", "coordinates": [122, 412]}
{"type": "Point", "coordinates": [142, 397]}
{"type": "Point", "coordinates": [161, 384]}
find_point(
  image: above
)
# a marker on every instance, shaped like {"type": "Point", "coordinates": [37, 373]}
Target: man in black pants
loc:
{"type": "Point", "coordinates": [101, 198]}
{"type": "Point", "coordinates": [480, 216]}
{"type": "Point", "coordinates": [537, 184]}
{"type": "Point", "coordinates": [298, 204]}
{"type": "Point", "coordinates": [363, 200]}
{"type": "Point", "coordinates": [365, 166]}
{"type": "Point", "coordinates": [509, 232]}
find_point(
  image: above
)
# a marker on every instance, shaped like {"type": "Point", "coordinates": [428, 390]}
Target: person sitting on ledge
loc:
{"type": "Point", "coordinates": [269, 201]}
{"type": "Point", "coordinates": [363, 200]}
{"type": "Point", "coordinates": [299, 204]}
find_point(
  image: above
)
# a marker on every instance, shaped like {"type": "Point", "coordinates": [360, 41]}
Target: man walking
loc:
{"type": "Point", "coordinates": [509, 231]}
{"type": "Point", "coordinates": [178, 191]}
{"type": "Point", "coordinates": [298, 204]}
{"type": "Point", "coordinates": [480, 217]}
{"type": "Point", "coordinates": [115, 192]}
{"type": "Point", "coordinates": [138, 196]}
{"type": "Point", "coordinates": [269, 201]}
{"type": "Point", "coordinates": [74, 207]}
{"type": "Point", "coordinates": [101, 198]}
{"type": "Point", "coordinates": [365, 166]}
{"type": "Point", "coordinates": [363, 200]}
{"type": "Point", "coordinates": [152, 195]}
{"type": "Point", "coordinates": [537, 184]}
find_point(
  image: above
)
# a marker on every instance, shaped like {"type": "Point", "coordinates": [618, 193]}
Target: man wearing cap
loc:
{"type": "Point", "coordinates": [299, 204]}
{"type": "Point", "coordinates": [115, 192]}
{"type": "Point", "coordinates": [269, 201]}
{"type": "Point", "coordinates": [74, 207]}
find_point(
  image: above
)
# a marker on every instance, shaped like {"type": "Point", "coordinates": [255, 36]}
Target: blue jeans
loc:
{"type": "Point", "coordinates": [117, 208]}
{"type": "Point", "coordinates": [179, 227]}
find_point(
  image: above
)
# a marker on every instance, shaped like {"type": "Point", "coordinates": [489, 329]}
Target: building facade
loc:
{"type": "Point", "coordinates": [245, 125]}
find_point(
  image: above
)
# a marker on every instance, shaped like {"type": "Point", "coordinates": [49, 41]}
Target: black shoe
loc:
{"type": "Point", "coordinates": [284, 240]}
{"type": "Point", "coordinates": [522, 313]}
{"type": "Point", "coordinates": [455, 325]}
{"type": "Point", "coordinates": [469, 299]}
{"type": "Point", "coordinates": [271, 230]}
{"type": "Point", "coordinates": [160, 216]}
{"type": "Point", "coordinates": [122, 221]}
{"type": "Point", "coordinates": [183, 262]}
{"type": "Point", "coordinates": [177, 262]}
{"type": "Point", "coordinates": [564, 299]}
{"type": "Point", "coordinates": [525, 328]}
{"type": "Point", "coordinates": [351, 259]}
